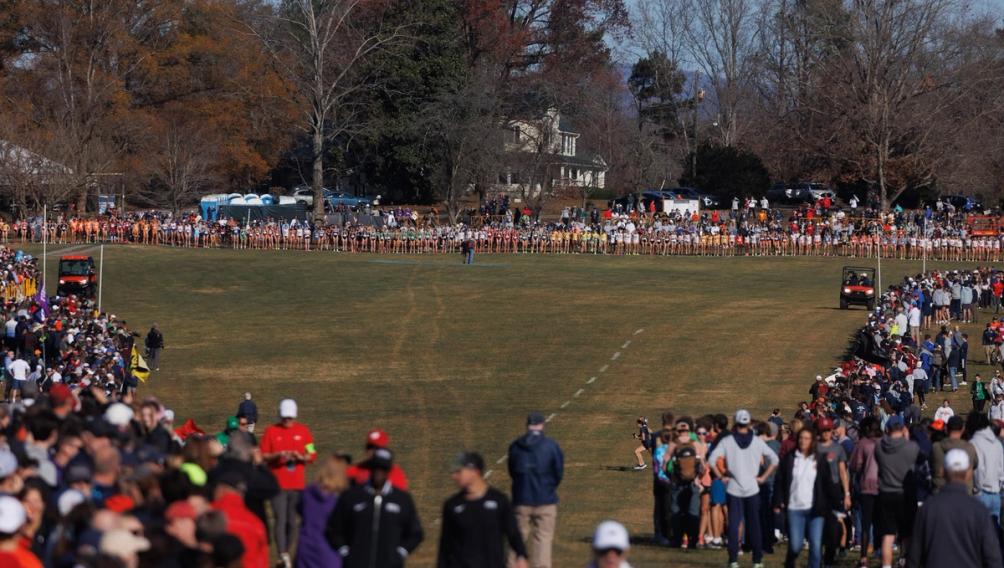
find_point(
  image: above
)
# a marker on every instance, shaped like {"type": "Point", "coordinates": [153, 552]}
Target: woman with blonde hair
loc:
{"type": "Point", "coordinates": [319, 499]}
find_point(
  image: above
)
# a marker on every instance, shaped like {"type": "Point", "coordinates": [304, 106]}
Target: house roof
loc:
{"type": "Point", "coordinates": [585, 161]}
{"type": "Point", "coordinates": [28, 162]}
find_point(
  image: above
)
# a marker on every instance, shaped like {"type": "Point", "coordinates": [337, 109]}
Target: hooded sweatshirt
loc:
{"type": "Point", "coordinates": [742, 454]}
{"type": "Point", "coordinates": [536, 466]}
{"type": "Point", "coordinates": [989, 474]}
{"type": "Point", "coordinates": [895, 457]}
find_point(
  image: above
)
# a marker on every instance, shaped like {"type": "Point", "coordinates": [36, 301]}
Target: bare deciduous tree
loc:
{"type": "Point", "coordinates": [319, 46]}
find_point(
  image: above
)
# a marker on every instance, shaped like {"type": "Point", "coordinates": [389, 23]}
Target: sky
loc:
{"type": "Point", "coordinates": [627, 51]}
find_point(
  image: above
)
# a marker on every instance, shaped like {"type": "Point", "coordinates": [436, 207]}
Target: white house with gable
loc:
{"type": "Point", "coordinates": [545, 149]}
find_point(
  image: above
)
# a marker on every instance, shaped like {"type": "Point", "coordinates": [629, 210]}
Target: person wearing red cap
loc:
{"type": "Point", "coordinates": [832, 455]}
{"type": "Point", "coordinates": [377, 439]}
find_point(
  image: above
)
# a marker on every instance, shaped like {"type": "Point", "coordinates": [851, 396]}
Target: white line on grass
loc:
{"type": "Point", "coordinates": [579, 392]}
{"type": "Point", "coordinates": [565, 404]}
{"type": "Point", "coordinates": [626, 344]}
{"type": "Point", "coordinates": [591, 380]}
{"type": "Point", "coordinates": [616, 355]}
{"type": "Point", "coordinates": [551, 417]}
{"type": "Point", "coordinates": [639, 330]}
{"type": "Point", "coordinates": [604, 368]}
{"type": "Point", "coordinates": [502, 459]}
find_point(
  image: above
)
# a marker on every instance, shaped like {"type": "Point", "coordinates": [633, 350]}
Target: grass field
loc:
{"type": "Point", "coordinates": [447, 357]}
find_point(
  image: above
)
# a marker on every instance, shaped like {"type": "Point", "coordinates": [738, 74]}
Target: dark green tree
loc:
{"type": "Point", "coordinates": [395, 152]}
{"type": "Point", "coordinates": [656, 85]}
{"type": "Point", "coordinates": [726, 172]}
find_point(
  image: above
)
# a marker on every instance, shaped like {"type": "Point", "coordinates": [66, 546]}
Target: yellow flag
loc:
{"type": "Point", "coordinates": [139, 368]}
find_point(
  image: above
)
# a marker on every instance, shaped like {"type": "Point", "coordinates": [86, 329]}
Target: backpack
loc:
{"type": "Point", "coordinates": [979, 392]}
{"type": "Point", "coordinates": [685, 464]}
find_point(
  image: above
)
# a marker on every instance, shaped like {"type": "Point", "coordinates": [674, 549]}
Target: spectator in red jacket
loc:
{"type": "Point", "coordinates": [376, 440]}
{"type": "Point", "coordinates": [287, 447]}
{"type": "Point", "coordinates": [241, 522]}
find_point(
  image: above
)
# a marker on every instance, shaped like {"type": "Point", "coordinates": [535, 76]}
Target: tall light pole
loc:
{"type": "Point", "coordinates": [693, 156]}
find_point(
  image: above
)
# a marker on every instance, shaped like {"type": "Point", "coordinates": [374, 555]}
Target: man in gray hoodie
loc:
{"type": "Point", "coordinates": [988, 476]}
{"type": "Point", "coordinates": [896, 455]}
{"type": "Point", "coordinates": [736, 461]}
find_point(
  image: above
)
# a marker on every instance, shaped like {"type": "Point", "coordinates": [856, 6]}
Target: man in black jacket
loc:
{"type": "Point", "coordinates": [477, 521]}
{"type": "Point", "coordinates": [375, 525]}
{"type": "Point", "coordinates": [953, 528]}
{"type": "Point", "coordinates": [154, 345]}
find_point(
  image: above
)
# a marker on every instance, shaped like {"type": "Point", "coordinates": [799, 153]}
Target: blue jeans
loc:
{"type": "Point", "coordinates": [951, 375]}
{"type": "Point", "coordinates": [745, 509]}
{"type": "Point", "coordinates": [469, 259]}
{"type": "Point", "coordinates": [798, 521]}
{"type": "Point", "coordinates": [992, 501]}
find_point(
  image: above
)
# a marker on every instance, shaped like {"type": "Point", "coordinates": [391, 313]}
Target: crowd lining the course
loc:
{"type": "Point", "coordinates": [92, 474]}
{"type": "Point", "coordinates": [940, 235]}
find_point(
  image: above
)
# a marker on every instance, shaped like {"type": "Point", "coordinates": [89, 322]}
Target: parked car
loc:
{"type": "Point", "coordinates": [305, 194]}
{"type": "Point", "coordinates": [785, 194]}
{"type": "Point", "coordinates": [818, 190]}
{"type": "Point", "coordinates": [336, 198]}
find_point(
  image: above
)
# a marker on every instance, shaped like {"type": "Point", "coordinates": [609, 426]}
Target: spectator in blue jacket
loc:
{"type": "Point", "coordinates": [536, 466]}
{"type": "Point", "coordinates": [248, 409]}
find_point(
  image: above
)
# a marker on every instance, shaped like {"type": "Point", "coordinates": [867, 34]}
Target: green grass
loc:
{"type": "Point", "coordinates": [447, 357]}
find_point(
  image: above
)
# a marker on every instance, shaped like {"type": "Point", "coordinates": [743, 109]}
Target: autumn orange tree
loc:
{"type": "Point", "coordinates": [99, 87]}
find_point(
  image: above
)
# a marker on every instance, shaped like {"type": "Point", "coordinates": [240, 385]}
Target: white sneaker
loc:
{"type": "Point", "coordinates": [285, 560]}
{"type": "Point", "coordinates": [640, 467]}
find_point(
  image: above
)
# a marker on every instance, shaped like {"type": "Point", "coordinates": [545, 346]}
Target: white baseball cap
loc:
{"type": "Point", "coordinates": [8, 464]}
{"type": "Point", "coordinates": [68, 500]}
{"type": "Point", "coordinates": [743, 417]}
{"type": "Point", "coordinates": [118, 415]}
{"type": "Point", "coordinates": [12, 514]}
{"type": "Point", "coordinates": [287, 408]}
{"type": "Point", "coordinates": [611, 534]}
{"type": "Point", "coordinates": [956, 460]}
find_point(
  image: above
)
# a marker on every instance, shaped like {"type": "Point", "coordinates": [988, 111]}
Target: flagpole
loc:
{"type": "Point", "coordinates": [45, 239]}
{"type": "Point", "coordinates": [101, 275]}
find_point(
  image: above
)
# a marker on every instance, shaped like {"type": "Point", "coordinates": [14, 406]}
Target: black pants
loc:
{"type": "Point", "coordinates": [978, 405]}
{"type": "Point", "coordinates": [685, 514]}
{"type": "Point", "coordinates": [767, 517]}
{"type": "Point", "coordinates": [662, 498]}
{"type": "Point", "coordinates": [867, 504]}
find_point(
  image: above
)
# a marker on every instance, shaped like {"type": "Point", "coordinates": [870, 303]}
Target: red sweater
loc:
{"type": "Point", "coordinates": [296, 438]}
{"type": "Point", "coordinates": [247, 527]}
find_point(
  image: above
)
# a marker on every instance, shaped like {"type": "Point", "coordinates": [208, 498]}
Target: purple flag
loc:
{"type": "Point", "coordinates": [42, 299]}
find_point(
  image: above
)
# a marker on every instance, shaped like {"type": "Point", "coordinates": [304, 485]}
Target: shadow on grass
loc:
{"type": "Point", "coordinates": [620, 468]}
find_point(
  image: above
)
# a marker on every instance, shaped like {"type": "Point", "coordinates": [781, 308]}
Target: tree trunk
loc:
{"type": "Point", "coordinates": [881, 177]}
{"type": "Point", "coordinates": [317, 183]}
{"type": "Point", "coordinates": [82, 200]}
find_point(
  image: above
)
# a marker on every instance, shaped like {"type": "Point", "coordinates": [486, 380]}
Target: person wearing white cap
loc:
{"type": "Point", "coordinates": [12, 518]}
{"type": "Point", "coordinates": [610, 546]}
{"type": "Point", "coordinates": [953, 528]}
{"type": "Point", "coordinates": [736, 460]}
{"type": "Point", "coordinates": [287, 447]}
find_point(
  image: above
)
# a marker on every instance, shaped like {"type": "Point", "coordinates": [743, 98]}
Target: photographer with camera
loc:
{"type": "Point", "coordinates": [644, 436]}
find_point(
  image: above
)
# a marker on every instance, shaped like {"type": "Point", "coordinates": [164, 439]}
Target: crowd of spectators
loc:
{"type": "Point", "coordinates": [94, 474]}
{"type": "Point", "coordinates": [852, 466]}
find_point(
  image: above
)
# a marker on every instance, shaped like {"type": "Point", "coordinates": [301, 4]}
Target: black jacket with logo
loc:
{"type": "Point", "coordinates": [374, 529]}
{"type": "Point", "coordinates": [475, 531]}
